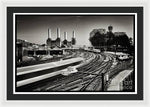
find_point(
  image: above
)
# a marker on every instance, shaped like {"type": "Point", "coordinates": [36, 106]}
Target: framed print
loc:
{"type": "Point", "coordinates": [75, 53]}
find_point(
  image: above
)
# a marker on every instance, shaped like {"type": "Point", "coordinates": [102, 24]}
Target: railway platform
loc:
{"type": "Point", "coordinates": [30, 74]}
{"type": "Point", "coordinates": [117, 81]}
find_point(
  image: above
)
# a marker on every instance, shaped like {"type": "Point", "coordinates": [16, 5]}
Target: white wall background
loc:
{"type": "Point", "coordinates": [4, 3]}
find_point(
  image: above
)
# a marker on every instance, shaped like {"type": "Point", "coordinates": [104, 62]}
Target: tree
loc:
{"type": "Point", "coordinates": [110, 39]}
{"type": "Point", "coordinates": [97, 39]}
{"type": "Point", "coordinates": [122, 40]}
{"type": "Point", "coordinates": [131, 41]}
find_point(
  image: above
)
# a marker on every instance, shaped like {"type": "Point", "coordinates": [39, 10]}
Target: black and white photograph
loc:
{"type": "Point", "coordinates": [64, 53]}
{"type": "Point", "coordinates": [75, 53]}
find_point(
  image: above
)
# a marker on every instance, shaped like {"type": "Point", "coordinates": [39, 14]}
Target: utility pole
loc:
{"type": "Point", "coordinates": [103, 84]}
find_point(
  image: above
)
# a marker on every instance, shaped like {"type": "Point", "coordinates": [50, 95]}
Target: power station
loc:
{"type": "Point", "coordinates": [58, 42]}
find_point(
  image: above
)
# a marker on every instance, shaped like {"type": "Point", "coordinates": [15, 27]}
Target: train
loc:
{"type": "Point", "coordinates": [92, 50]}
{"type": "Point", "coordinates": [69, 70]}
{"type": "Point", "coordinates": [120, 55]}
{"type": "Point", "coordinates": [123, 56]}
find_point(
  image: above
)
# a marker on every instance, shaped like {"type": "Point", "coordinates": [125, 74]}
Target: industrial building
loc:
{"type": "Point", "coordinates": [52, 47]}
{"type": "Point", "coordinates": [58, 43]}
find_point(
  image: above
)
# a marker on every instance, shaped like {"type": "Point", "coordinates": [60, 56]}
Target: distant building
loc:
{"type": "Point", "coordinates": [57, 42]}
{"type": "Point", "coordinates": [22, 48]}
{"type": "Point", "coordinates": [73, 39]}
{"type": "Point", "coordinates": [119, 33]}
{"type": "Point", "coordinates": [110, 34]}
{"type": "Point", "coordinates": [109, 39]}
{"type": "Point", "coordinates": [25, 48]}
{"type": "Point", "coordinates": [54, 43]}
{"type": "Point", "coordinates": [110, 28]}
{"type": "Point", "coordinates": [67, 43]}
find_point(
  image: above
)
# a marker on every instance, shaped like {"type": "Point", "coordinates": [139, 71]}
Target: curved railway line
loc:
{"type": "Point", "coordinates": [89, 75]}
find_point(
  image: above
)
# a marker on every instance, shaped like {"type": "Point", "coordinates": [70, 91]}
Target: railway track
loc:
{"type": "Point", "coordinates": [86, 76]}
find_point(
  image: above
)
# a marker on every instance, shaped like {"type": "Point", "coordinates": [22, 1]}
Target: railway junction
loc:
{"type": "Point", "coordinates": [80, 71]}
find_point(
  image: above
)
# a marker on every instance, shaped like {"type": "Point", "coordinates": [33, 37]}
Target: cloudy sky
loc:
{"type": "Point", "coordinates": [35, 28]}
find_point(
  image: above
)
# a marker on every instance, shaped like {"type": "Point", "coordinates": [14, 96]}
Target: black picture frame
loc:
{"type": "Point", "coordinates": [10, 49]}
